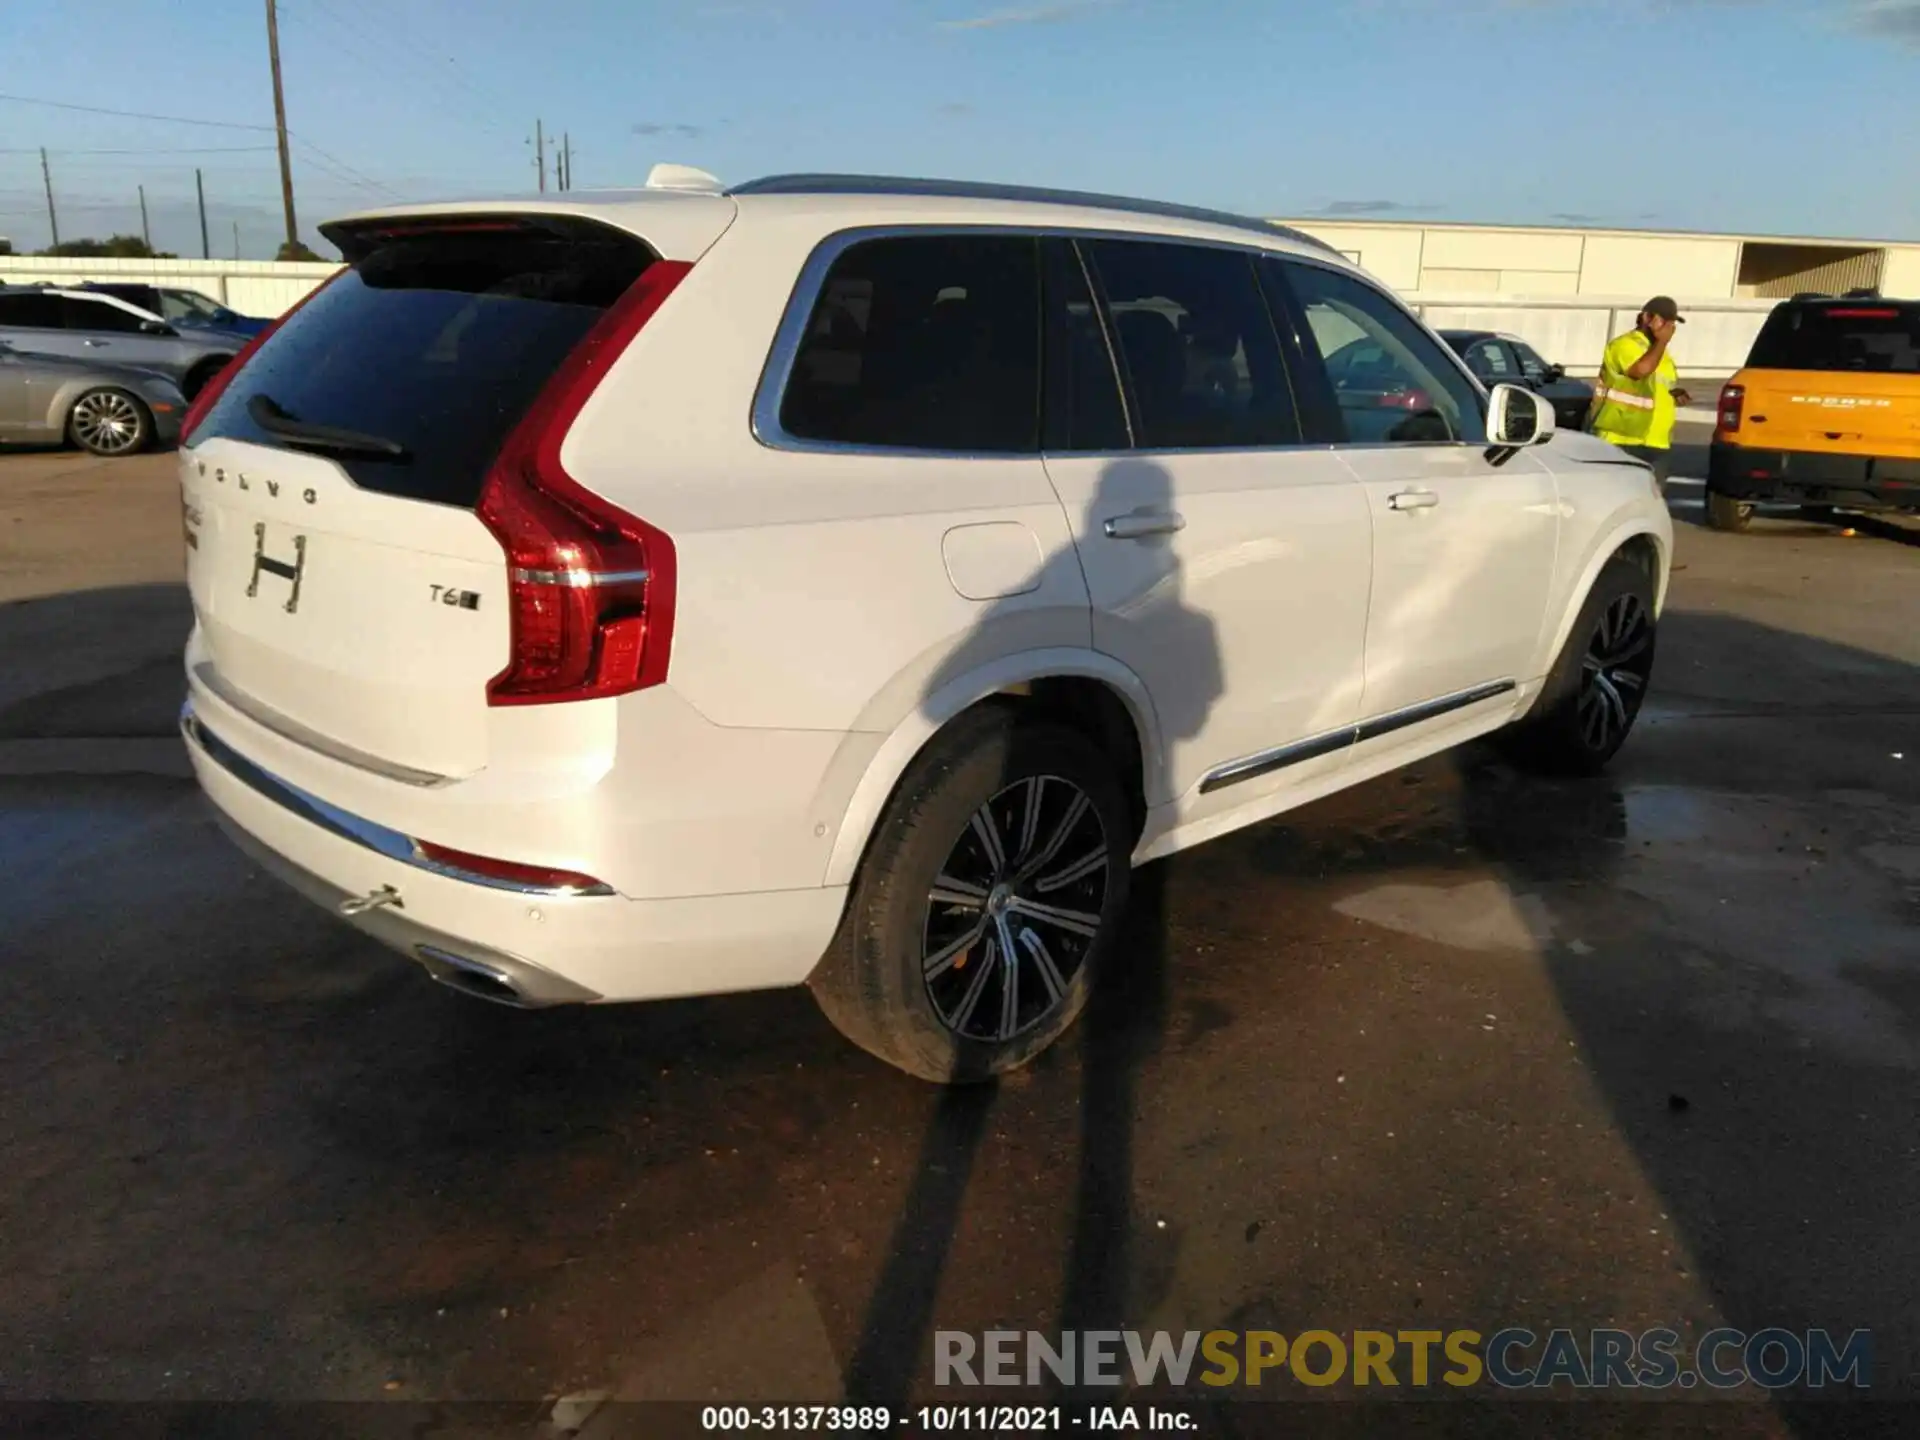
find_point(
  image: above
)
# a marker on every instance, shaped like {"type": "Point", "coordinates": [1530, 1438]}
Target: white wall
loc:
{"type": "Point", "coordinates": [1900, 276]}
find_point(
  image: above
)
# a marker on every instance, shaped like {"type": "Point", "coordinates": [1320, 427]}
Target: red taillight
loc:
{"type": "Point", "coordinates": [1733, 401]}
{"type": "Point", "coordinates": [211, 391]}
{"type": "Point", "coordinates": [590, 587]}
{"type": "Point", "coordinates": [512, 872]}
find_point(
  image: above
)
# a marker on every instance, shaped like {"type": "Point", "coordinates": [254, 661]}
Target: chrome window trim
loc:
{"type": "Point", "coordinates": [777, 371]}
{"type": "Point", "coordinates": [1296, 752]}
{"type": "Point", "coordinates": [1458, 363]}
{"type": "Point", "coordinates": [344, 824]}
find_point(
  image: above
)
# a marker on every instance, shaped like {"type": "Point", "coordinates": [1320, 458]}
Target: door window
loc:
{"type": "Point", "coordinates": [31, 312]}
{"type": "Point", "coordinates": [1531, 365]}
{"type": "Point", "coordinates": [1489, 360]}
{"type": "Point", "coordinates": [99, 315]}
{"type": "Point", "coordinates": [1392, 382]}
{"type": "Point", "coordinates": [1083, 408]}
{"type": "Point", "coordinates": [1201, 359]}
{"type": "Point", "coordinates": [923, 342]}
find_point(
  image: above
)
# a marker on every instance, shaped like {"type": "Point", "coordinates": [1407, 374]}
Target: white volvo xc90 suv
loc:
{"type": "Point", "coordinates": [848, 581]}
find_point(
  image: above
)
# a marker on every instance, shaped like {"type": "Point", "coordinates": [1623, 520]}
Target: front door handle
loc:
{"type": "Point", "coordinates": [1140, 525]}
{"type": "Point", "coordinates": [94, 344]}
{"type": "Point", "coordinates": [1413, 500]}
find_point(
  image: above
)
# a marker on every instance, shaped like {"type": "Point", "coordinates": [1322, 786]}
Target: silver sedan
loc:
{"type": "Point", "coordinates": [105, 409]}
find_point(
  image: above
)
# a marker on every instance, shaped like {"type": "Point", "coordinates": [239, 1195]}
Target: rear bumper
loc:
{"type": "Point", "coordinates": [1799, 477]}
{"type": "Point", "coordinates": [519, 946]}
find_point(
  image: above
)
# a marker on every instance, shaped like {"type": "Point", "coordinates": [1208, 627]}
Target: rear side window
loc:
{"type": "Point", "coordinates": [98, 315]}
{"type": "Point", "coordinates": [1201, 357]}
{"type": "Point", "coordinates": [1868, 338]}
{"type": "Point", "coordinates": [31, 312]}
{"type": "Point", "coordinates": [436, 340]}
{"type": "Point", "coordinates": [923, 342]}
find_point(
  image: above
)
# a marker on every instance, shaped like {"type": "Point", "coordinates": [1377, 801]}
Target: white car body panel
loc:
{"type": "Point", "coordinates": [835, 609]}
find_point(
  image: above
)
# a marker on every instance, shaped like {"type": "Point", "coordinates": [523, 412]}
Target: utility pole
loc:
{"type": "Point", "coordinates": [566, 161]}
{"type": "Point", "coordinates": [200, 189]}
{"type": "Point", "coordinates": [46, 174]}
{"type": "Point", "coordinates": [539, 153]}
{"type": "Point", "coordinates": [145, 233]}
{"type": "Point", "coordinates": [236, 239]}
{"type": "Point", "coordinates": [280, 122]}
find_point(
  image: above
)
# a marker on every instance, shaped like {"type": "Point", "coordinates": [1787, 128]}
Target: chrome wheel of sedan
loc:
{"type": "Point", "coordinates": [108, 422]}
{"type": "Point", "coordinates": [1614, 671]}
{"type": "Point", "coordinates": [1016, 909]}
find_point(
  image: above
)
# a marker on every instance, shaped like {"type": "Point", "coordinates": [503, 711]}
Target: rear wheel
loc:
{"type": "Point", "coordinates": [1726, 513]}
{"type": "Point", "coordinates": [1593, 694]}
{"type": "Point", "coordinates": [198, 377]}
{"type": "Point", "coordinates": [986, 904]}
{"type": "Point", "coordinates": [109, 422]}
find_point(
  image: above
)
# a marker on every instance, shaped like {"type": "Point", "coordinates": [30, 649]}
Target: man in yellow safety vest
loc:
{"type": "Point", "coordinates": [1638, 395]}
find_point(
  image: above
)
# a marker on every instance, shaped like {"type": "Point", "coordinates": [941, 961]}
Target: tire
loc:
{"type": "Point", "coordinates": [1598, 683]}
{"type": "Point", "coordinates": [198, 377]}
{"type": "Point", "coordinates": [970, 788]}
{"type": "Point", "coordinates": [1726, 513]}
{"type": "Point", "coordinates": [110, 422]}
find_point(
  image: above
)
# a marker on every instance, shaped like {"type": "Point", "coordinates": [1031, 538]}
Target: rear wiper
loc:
{"type": "Point", "coordinates": [271, 417]}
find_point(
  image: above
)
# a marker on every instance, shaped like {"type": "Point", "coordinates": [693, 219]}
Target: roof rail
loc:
{"type": "Point", "coordinates": [980, 190]}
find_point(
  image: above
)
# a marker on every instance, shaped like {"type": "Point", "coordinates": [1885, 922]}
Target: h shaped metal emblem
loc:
{"type": "Point", "coordinates": [264, 561]}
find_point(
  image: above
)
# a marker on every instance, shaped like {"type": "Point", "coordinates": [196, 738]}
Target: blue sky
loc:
{"type": "Point", "coordinates": [1782, 116]}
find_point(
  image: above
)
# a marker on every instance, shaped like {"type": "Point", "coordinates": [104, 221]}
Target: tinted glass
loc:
{"type": "Point", "coordinates": [1865, 337]}
{"type": "Point", "coordinates": [923, 342]}
{"type": "Point", "coordinates": [1489, 360]}
{"type": "Point", "coordinates": [1084, 410]}
{"type": "Point", "coordinates": [1531, 365]}
{"type": "Point", "coordinates": [187, 305]}
{"type": "Point", "coordinates": [437, 341]}
{"type": "Point", "coordinates": [1202, 362]}
{"type": "Point", "coordinates": [34, 312]}
{"type": "Point", "coordinates": [1393, 383]}
{"type": "Point", "coordinates": [99, 315]}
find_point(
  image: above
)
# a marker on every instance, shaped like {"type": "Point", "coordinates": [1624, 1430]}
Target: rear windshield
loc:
{"type": "Point", "coordinates": [1863, 337]}
{"type": "Point", "coordinates": [436, 341]}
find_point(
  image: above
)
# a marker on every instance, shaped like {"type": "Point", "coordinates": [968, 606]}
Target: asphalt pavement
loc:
{"type": "Point", "coordinates": [1458, 1049]}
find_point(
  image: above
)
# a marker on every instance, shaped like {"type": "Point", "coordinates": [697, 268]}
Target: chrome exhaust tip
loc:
{"type": "Point", "coordinates": [472, 977]}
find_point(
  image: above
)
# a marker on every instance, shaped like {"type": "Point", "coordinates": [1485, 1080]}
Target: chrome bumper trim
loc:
{"type": "Point", "coordinates": [346, 825]}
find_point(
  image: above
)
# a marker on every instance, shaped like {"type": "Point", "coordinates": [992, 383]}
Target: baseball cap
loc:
{"type": "Point", "coordinates": [1663, 306]}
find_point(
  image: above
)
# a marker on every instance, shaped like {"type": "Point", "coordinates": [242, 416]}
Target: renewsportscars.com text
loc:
{"type": "Point", "coordinates": [1512, 1358]}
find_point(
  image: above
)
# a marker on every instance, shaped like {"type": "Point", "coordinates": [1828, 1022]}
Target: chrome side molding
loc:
{"type": "Point", "coordinates": [1312, 748]}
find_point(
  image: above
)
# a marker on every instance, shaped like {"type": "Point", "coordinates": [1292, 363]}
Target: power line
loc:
{"type": "Point", "coordinates": [133, 114]}
{"type": "Point", "coordinates": [187, 150]}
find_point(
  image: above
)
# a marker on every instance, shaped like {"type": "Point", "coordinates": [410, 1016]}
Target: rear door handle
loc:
{"type": "Point", "coordinates": [1413, 500]}
{"type": "Point", "coordinates": [1140, 526]}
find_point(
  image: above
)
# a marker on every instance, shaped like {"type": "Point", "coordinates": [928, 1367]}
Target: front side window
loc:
{"type": "Point", "coordinates": [923, 342]}
{"type": "Point", "coordinates": [1531, 365]}
{"type": "Point", "coordinates": [1197, 344]}
{"type": "Point", "coordinates": [186, 305]}
{"type": "Point", "coordinates": [99, 315]}
{"type": "Point", "coordinates": [1391, 381]}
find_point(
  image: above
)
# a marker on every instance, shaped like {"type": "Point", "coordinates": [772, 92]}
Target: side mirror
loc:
{"type": "Point", "coordinates": [156, 327]}
{"type": "Point", "coordinates": [1517, 417]}
{"type": "Point", "coordinates": [1556, 372]}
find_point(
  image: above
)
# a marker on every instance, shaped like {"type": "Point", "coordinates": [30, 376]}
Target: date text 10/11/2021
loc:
{"type": "Point", "coordinates": [944, 1419]}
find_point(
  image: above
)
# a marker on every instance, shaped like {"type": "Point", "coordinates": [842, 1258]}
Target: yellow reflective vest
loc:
{"type": "Point", "coordinates": [1634, 412]}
